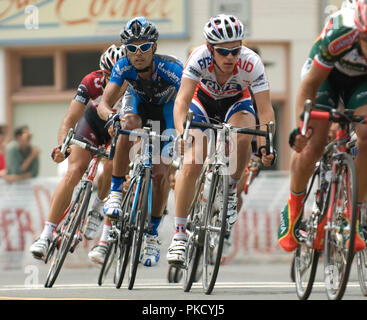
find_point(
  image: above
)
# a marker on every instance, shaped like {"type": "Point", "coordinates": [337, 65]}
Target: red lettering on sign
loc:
{"type": "Point", "coordinates": [6, 222]}
{"type": "Point", "coordinates": [25, 225]}
{"type": "Point", "coordinates": [38, 192]}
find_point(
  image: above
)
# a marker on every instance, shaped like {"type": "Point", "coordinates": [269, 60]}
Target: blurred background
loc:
{"type": "Point", "coordinates": [47, 46]}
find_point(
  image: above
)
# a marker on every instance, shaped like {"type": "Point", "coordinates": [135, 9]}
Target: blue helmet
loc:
{"type": "Point", "coordinates": [139, 29]}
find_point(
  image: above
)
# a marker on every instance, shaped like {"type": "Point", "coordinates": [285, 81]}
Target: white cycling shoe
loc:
{"type": "Point", "coordinates": [151, 251]}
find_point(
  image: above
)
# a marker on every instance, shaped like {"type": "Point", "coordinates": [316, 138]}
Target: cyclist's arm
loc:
{"type": "Point", "coordinates": [265, 111]}
{"type": "Point", "coordinates": [110, 95]}
{"type": "Point", "coordinates": [309, 86]}
{"type": "Point", "coordinates": [182, 102]}
{"type": "Point", "coordinates": [73, 115]}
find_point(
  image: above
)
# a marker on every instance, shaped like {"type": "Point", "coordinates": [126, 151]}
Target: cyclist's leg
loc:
{"type": "Point", "coordinates": [192, 163]}
{"type": "Point", "coordinates": [120, 167]}
{"type": "Point", "coordinates": [78, 163]}
{"type": "Point", "coordinates": [358, 101]}
{"type": "Point", "coordinates": [301, 169]}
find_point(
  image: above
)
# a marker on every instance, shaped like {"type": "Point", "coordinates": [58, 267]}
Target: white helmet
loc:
{"type": "Point", "coordinates": [224, 28]}
{"type": "Point", "coordinates": [109, 58]}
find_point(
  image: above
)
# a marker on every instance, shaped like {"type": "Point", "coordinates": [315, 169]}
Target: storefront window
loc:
{"type": "Point", "coordinates": [79, 64]}
{"type": "Point", "coordinates": [37, 71]}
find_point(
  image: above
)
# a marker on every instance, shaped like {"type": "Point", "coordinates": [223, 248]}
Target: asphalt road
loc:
{"type": "Point", "coordinates": [236, 281]}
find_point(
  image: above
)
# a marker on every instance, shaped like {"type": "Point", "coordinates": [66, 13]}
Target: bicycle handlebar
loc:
{"type": "Point", "coordinates": [69, 140]}
{"type": "Point", "coordinates": [268, 133]}
{"type": "Point", "coordinates": [332, 115]}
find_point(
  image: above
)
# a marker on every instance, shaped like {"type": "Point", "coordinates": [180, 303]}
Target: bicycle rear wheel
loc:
{"type": "Point", "coordinates": [341, 230]}
{"type": "Point", "coordinates": [195, 239]}
{"type": "Point", "coordinates": [215, 228]}
{"type": "Point", "coordinates": [140, 224]}
{"type": "Point", "coordinates": [68, 231]}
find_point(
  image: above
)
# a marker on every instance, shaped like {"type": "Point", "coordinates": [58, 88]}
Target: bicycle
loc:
{"type": "Point", "coordinates": [127, 230]}
{"type": "Point", "coordinates": [207, 220]}
{"type": "Point", "coordinates": [70, 229]}
{"type": "Point", "coordinates": [362, 256]}
{"type": "Point", "coordinates": [331, 221]}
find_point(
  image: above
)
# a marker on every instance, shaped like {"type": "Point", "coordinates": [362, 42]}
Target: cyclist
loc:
{"type": "Point", "coordinates": [90, 128]}
{"type": "Point", "coordinates": [154, 80]}
{"type": "Point", "coordinates": [215, 84]}
{"type": "Point", "coordinates": [336, 71]}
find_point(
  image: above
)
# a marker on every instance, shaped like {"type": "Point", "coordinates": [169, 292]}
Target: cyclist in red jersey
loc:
{"type": "Point", "coordinates": [82, 113]}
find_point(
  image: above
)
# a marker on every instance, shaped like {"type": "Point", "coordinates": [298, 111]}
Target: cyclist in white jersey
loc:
{"type": "Point", "coordinates": [214, 85]}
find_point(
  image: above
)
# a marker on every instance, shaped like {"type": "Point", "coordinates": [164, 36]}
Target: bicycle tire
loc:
{"type": "Point", "coordinates": [362, 270]}
{"type": "Point", "coordinates": [107, 262]}
{"type": "Point", "coordinates": [174, 274]}
{"type": "Point", "coordinates": [306, 257]}
{"type": "Point", "coordinates": [215, 227]}
{"type": "Point", "coordinates": [125, 240]}
{"type": "Point", "coordinates": [67, 237]}
{"type": "Point", "coordinates": [340, 265]}
{"type": "Point", "coordinates": [195, 239]}
{"type": "Point", "coordinates": [139, 226]}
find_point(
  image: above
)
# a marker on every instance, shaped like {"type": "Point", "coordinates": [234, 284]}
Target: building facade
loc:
{"type": "Point", "coordinates": [47, 46]}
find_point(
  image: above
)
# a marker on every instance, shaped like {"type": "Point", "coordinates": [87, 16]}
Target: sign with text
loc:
{"type": "Point", "coordinates": [55, 21]}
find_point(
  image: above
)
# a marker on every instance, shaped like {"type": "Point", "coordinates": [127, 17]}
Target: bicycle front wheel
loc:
{"type": "Point", "coordinates": [215, 228]}
{"type": "Point", "coordinates": [140, 225]}
{"type": "Point", "coordinates": [340, 231]}
{"type": "Point", "coordinates": [108, 261]}
{"type": "Point", "coordinates": [195, 233]}
{"type": "Point", "coordinates": [305, 260]}
{"type": "Point", "coordinates": [362, 270]}
{"type": "Point", "coordinates": [126, 234]}
{"type": "Point", "coordinates": [68, 232]}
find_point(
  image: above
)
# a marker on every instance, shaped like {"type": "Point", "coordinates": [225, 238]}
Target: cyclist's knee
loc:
{"type": "Point", "coordinates": [73, 175]}
{"type": "Point", "coordinates": [191, 170]}
{"type": "Point", "coordinates": [131, 121]}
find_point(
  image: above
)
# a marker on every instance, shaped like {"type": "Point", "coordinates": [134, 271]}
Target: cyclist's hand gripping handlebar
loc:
{"type": "Point", "coordinates": [306, 116]}
{"type": "Point", "coordinates": [116, 129]}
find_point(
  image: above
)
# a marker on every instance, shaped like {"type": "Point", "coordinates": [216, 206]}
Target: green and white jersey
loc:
{"type": "Point", "coordinates": [338, 47]}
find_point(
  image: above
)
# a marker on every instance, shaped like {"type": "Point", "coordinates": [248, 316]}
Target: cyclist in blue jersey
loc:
{"type": "Point", "coordinates": [153, 81]}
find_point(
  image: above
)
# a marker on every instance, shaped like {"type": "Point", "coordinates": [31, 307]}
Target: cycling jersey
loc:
{"type": "Point", "coordinates": [163, 86]}
{"type": "Point", "coordinates": [338, 46]}
{"type": "Point", "coordinates": [90, 127]}
{"type": "Point", "coordinates": [249, 72]}
{"type": "Point", "coordinates": [337, 50]}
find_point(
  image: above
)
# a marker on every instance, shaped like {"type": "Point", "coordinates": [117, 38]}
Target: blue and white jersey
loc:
{"type": "Point", "coordinates": [163, 87]}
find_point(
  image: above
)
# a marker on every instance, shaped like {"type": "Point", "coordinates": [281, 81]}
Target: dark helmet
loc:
{"type": "Point", "coordinates": [139, 29]}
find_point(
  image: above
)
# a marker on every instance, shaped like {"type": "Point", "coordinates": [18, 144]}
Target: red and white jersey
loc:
{"type": "Point", "coordinates": [248, 73]}
{"type": "Point", "coordinates": [91, 88]}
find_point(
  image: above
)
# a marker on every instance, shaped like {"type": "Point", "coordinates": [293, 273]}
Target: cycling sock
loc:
{"type": "Point", "coordinates": [105, 232]}
{"type": "Point", "coordinates": [48, 230]}
{"type": "Point", "coordinates": [154, 224]}
{"type": "Point", "coordinates": [180, 230]}
{"type": "Point", "coordinates": [116, 183]}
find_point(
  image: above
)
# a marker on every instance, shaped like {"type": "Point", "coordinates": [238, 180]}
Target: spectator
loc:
{"type": "Point", "coordinates": [21, 157]}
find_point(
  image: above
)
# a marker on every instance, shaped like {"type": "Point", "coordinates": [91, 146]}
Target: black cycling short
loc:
{"type": "Point", "coordinates": [90, 128]}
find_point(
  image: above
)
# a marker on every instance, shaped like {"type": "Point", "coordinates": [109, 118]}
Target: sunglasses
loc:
{"type": "Point", "coordinates": [142, 47]}
{"type": "Point", "coordinates": [225, 51]}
